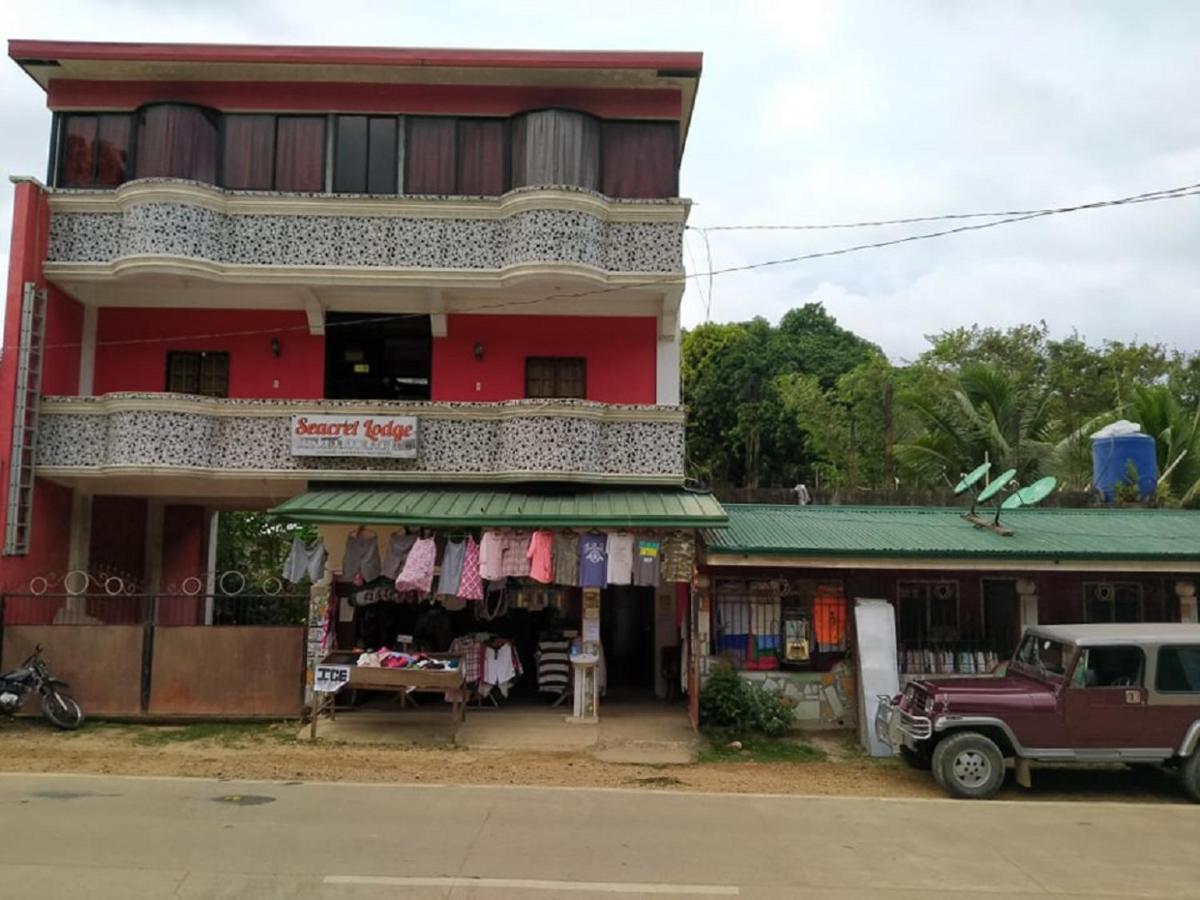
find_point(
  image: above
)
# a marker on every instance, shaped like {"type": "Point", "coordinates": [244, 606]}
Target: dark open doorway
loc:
{"type": "Point", "coordinates": [369, 356]}
{"type": "Point", "coordinates": [627, 633]}
{"type": "Point", "coordinates": [1001, 615]}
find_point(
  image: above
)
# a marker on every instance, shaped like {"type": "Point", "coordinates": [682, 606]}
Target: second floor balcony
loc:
{"type": "Point", "coordinates": [137, 435]}
{"type": "Point", "coordinates": [172, 228]}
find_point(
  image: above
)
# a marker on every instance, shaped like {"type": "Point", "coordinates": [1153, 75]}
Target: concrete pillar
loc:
{"type": "Point", "coordinates": [1186, 592]}
{"type": "Point", "coordinates": [667, 390]}
{"type": "Point", "coordinates": [87, 352]}
{"type": "Point", "coordinates": [1027, 598]}
{"type": "Point", "coordinates": [210, 567]}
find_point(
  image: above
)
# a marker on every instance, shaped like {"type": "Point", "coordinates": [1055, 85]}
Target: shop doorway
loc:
{"type": "Point", "coordinates": [369, 356]}
{"type": "Point", "coordinates": [627, 633]}
{"type": "Point", "coordinates": [1001, 614]}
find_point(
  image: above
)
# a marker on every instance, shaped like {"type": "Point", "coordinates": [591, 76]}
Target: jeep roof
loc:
{"type": "Point", "coordinates": [1149, 633]}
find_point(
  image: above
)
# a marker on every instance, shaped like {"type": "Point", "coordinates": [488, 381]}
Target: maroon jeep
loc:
{"type": "Point", "coordinates": [1071, 694]}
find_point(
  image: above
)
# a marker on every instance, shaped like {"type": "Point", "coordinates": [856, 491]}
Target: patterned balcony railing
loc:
{"type": "Point", "coordinates": [567, 440]}
{"type": "Point", "coordinates": [159, 219]}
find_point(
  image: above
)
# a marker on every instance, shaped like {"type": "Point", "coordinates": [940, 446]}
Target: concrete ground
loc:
{"type": "Point", "coordinates": [644, 733]}
{"type": "Point", "coordinates": [101, 837]}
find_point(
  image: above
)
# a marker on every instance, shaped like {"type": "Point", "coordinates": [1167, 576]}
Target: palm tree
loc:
{"type": "Point", "coordinates": [981, 414]}
{"type": "Point", "coordinates": [1176, 431]}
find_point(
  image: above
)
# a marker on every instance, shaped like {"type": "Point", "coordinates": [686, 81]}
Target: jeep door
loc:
{"type": "Point", "coordinates": [1104, 704]}
{"type": "Point", "coordinates": [1175, 700]}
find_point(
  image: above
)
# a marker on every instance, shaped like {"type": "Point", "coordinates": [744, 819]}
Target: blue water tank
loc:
{"type": "Point", "coordinates": [1112, 457]}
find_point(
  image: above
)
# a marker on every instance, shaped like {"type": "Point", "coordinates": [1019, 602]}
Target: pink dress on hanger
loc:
{"type": "Point", "coordinates": [417, 574]}
{"type": "Point", "coordinates": [470, 584]}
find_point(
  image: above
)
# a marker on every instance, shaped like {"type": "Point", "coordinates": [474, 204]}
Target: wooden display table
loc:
{"type": "Point", "coordinates": [400, 681]}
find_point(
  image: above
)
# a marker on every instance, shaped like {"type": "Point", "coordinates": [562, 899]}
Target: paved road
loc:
{"type": "Point", "coordinates": [100, 837]}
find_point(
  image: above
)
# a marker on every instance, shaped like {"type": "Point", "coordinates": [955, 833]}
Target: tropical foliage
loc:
{"type": "Point", "coordinates": [810, 402]}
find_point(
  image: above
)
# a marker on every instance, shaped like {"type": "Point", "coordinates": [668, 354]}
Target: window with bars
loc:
{"type": "Point", "coordinates": [928, 612]}
{"type": "Point", "coordinates": [1112, 601]}
{"type": "Point", "coordinates": [556, 376]}
{"type": "Point", "coordinates": [198, 372]}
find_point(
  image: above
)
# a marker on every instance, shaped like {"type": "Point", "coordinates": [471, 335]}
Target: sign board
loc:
{"type": "Point", "coordinates": [330, 679]}
{"type": "Point", "coordinates": [378, 436]}
{"type": "Point", "coordinates": [591, 616]}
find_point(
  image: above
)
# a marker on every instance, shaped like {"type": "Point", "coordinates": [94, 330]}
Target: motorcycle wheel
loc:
{"type": "Point", "coordinates": [62, 710]}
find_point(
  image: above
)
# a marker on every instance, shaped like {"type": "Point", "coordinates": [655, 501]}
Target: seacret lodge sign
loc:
{"type": "Point", "coordinates": [390, 436]}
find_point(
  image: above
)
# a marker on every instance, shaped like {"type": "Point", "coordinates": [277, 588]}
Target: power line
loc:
{"type": "Point", "coordinates": [912, 220]}
{"type": "Point", "coordinates": [1191, 190]}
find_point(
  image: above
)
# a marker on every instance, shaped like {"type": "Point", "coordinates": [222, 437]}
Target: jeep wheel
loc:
{"type": "Point", "coordinates": [916, 759]}
{"type": "Point", "coordinates": [1190, 773]}
{"type": "Point", "coordinates": [969, 765]}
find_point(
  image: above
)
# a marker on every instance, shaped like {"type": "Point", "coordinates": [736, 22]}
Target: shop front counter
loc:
{"type": "Point", "coordinates": [401, 681]}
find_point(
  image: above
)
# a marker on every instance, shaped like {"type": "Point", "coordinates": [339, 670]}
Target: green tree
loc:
{"type": "Point", "coordinates": [984, 413]}
{"type": "Point", "coordinates": [1176, 431]}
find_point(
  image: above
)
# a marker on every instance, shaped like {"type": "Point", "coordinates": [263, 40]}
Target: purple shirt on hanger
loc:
{"type": "Point", "coordinates": [593, 560]}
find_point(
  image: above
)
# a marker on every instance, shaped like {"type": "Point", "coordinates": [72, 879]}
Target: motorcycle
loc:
{"type": "Point", "coordinates": [34, 676]}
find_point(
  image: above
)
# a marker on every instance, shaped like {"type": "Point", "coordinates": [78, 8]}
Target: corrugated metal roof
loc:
{"type": "Point", "coordinates": [474, 508]}
{"type": "Point", "coordinates": [858, 531]}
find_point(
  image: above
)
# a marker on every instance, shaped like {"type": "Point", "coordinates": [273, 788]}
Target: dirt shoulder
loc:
{"type": "Point", "coordinates": [272, 752]}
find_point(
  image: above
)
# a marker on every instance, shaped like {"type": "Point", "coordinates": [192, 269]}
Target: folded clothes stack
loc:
{"type": "Point", "coordinates": [383, 658]}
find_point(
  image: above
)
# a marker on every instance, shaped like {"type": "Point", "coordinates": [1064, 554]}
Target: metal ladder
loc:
{"type": "Point", "coordinates": [26, 404]}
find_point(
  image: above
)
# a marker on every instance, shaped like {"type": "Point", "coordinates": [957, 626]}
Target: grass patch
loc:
{"type": "Point", "coordinates": [762, 750]}
{"type": "Point", "coordinates": [227, 733]}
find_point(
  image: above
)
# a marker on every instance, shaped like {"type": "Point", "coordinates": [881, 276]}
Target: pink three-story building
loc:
{"type": "Point", "coordinates": [251, 268]}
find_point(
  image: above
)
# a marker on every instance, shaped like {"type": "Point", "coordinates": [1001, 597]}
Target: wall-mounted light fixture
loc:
{"type": "Point", "coordinates": [276, 349]}
{"type": "Point", "coordinates": [479, 350]}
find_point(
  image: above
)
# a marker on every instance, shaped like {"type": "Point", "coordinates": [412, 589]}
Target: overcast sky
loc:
{"type": "Point", "coordinates": [819, 112]}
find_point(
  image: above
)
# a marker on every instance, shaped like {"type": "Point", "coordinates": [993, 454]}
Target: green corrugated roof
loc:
{"type": "Point", "coordinates": [473, 508]}
{"type": "Point", "coordinates": [858, 531]}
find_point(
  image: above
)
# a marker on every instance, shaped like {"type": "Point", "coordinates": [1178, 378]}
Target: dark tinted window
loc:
{"type": "Point", "coordinates": [95, 150]}
{"type": "Point", "coordinates": [381, 156]}
{"type": "Point", "coordinates": [176, 141]}
{"type": "Point", "coordinates": [198, 372]}
{"type": "Point", "coordinates": [555, 376]}
{"type": "Point", "coordinates": [300, 154]}
{"type": "Point", "coordinates": [350, 155]}
{"type": "Point", "coordinates": [248, 160]}
{"type": "Point", "coordinates": [639, 159]}
{"type": "Point", "coordinates": [1178, 670]}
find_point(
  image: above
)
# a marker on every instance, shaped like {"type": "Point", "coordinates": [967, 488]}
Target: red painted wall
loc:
{"type": "Point", "coordinates": [183, 558]}
{"type": "Point", "coordinates": [119, 536]}
{"type": "Point", "coordinates": [483, 100]}
{"type": "Point", "coordinates": [132, 346]}
{"type": "Point", "coordinates": [48, 547]}
{"type": "Point", "coordinates": [50, 536]}
{"type": "Point", "coordinates": [621, 355]}
{"type": "Point", "coordinates": [64, 333]}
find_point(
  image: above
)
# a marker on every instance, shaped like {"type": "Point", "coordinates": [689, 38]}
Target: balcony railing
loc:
{"type": "Point", "coordinates": [554, 440]}
{"type": "Point", "coordinates": [166, 223]}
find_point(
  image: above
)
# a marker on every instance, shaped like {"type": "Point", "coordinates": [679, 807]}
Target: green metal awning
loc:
{"type": "Point", "coordinates": [804, 534]}
{"type": "Point", "coordinates": [472, 508]}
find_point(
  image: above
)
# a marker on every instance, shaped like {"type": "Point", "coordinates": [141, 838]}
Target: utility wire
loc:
{"type": "Point", "coordinates": [1191, 190]}
{"type": "Point", "coordinates": [911, 220]}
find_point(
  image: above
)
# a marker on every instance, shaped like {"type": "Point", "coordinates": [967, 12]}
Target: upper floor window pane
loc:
{"type": "Point", "coordinates": [639, 159]}
{"type": "Point", "coordinates": [482, 157]}
{"type": "Point", "coordinates": [555, 146]}
{"type": "Point", "coordinates": [95, 150]}
{"type": "Point", "coordinates": [203, 372]}
{"type": "Point", "coordinates": [429, 160]}
{"type": "Point", "coordinates": [556, 377]}
{"type": "Point", "coordinates": [176, 141]}
{"type": "Point", "coordinates": [249, 157]}
{"type": "Point", "coordinates": [300, 154]}
{"type": "Point", "coordinates": [365, 158]}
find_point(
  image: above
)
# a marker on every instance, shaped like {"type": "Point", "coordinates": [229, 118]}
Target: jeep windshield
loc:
{"type": "Point", "coordinates": [1043, 658]}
